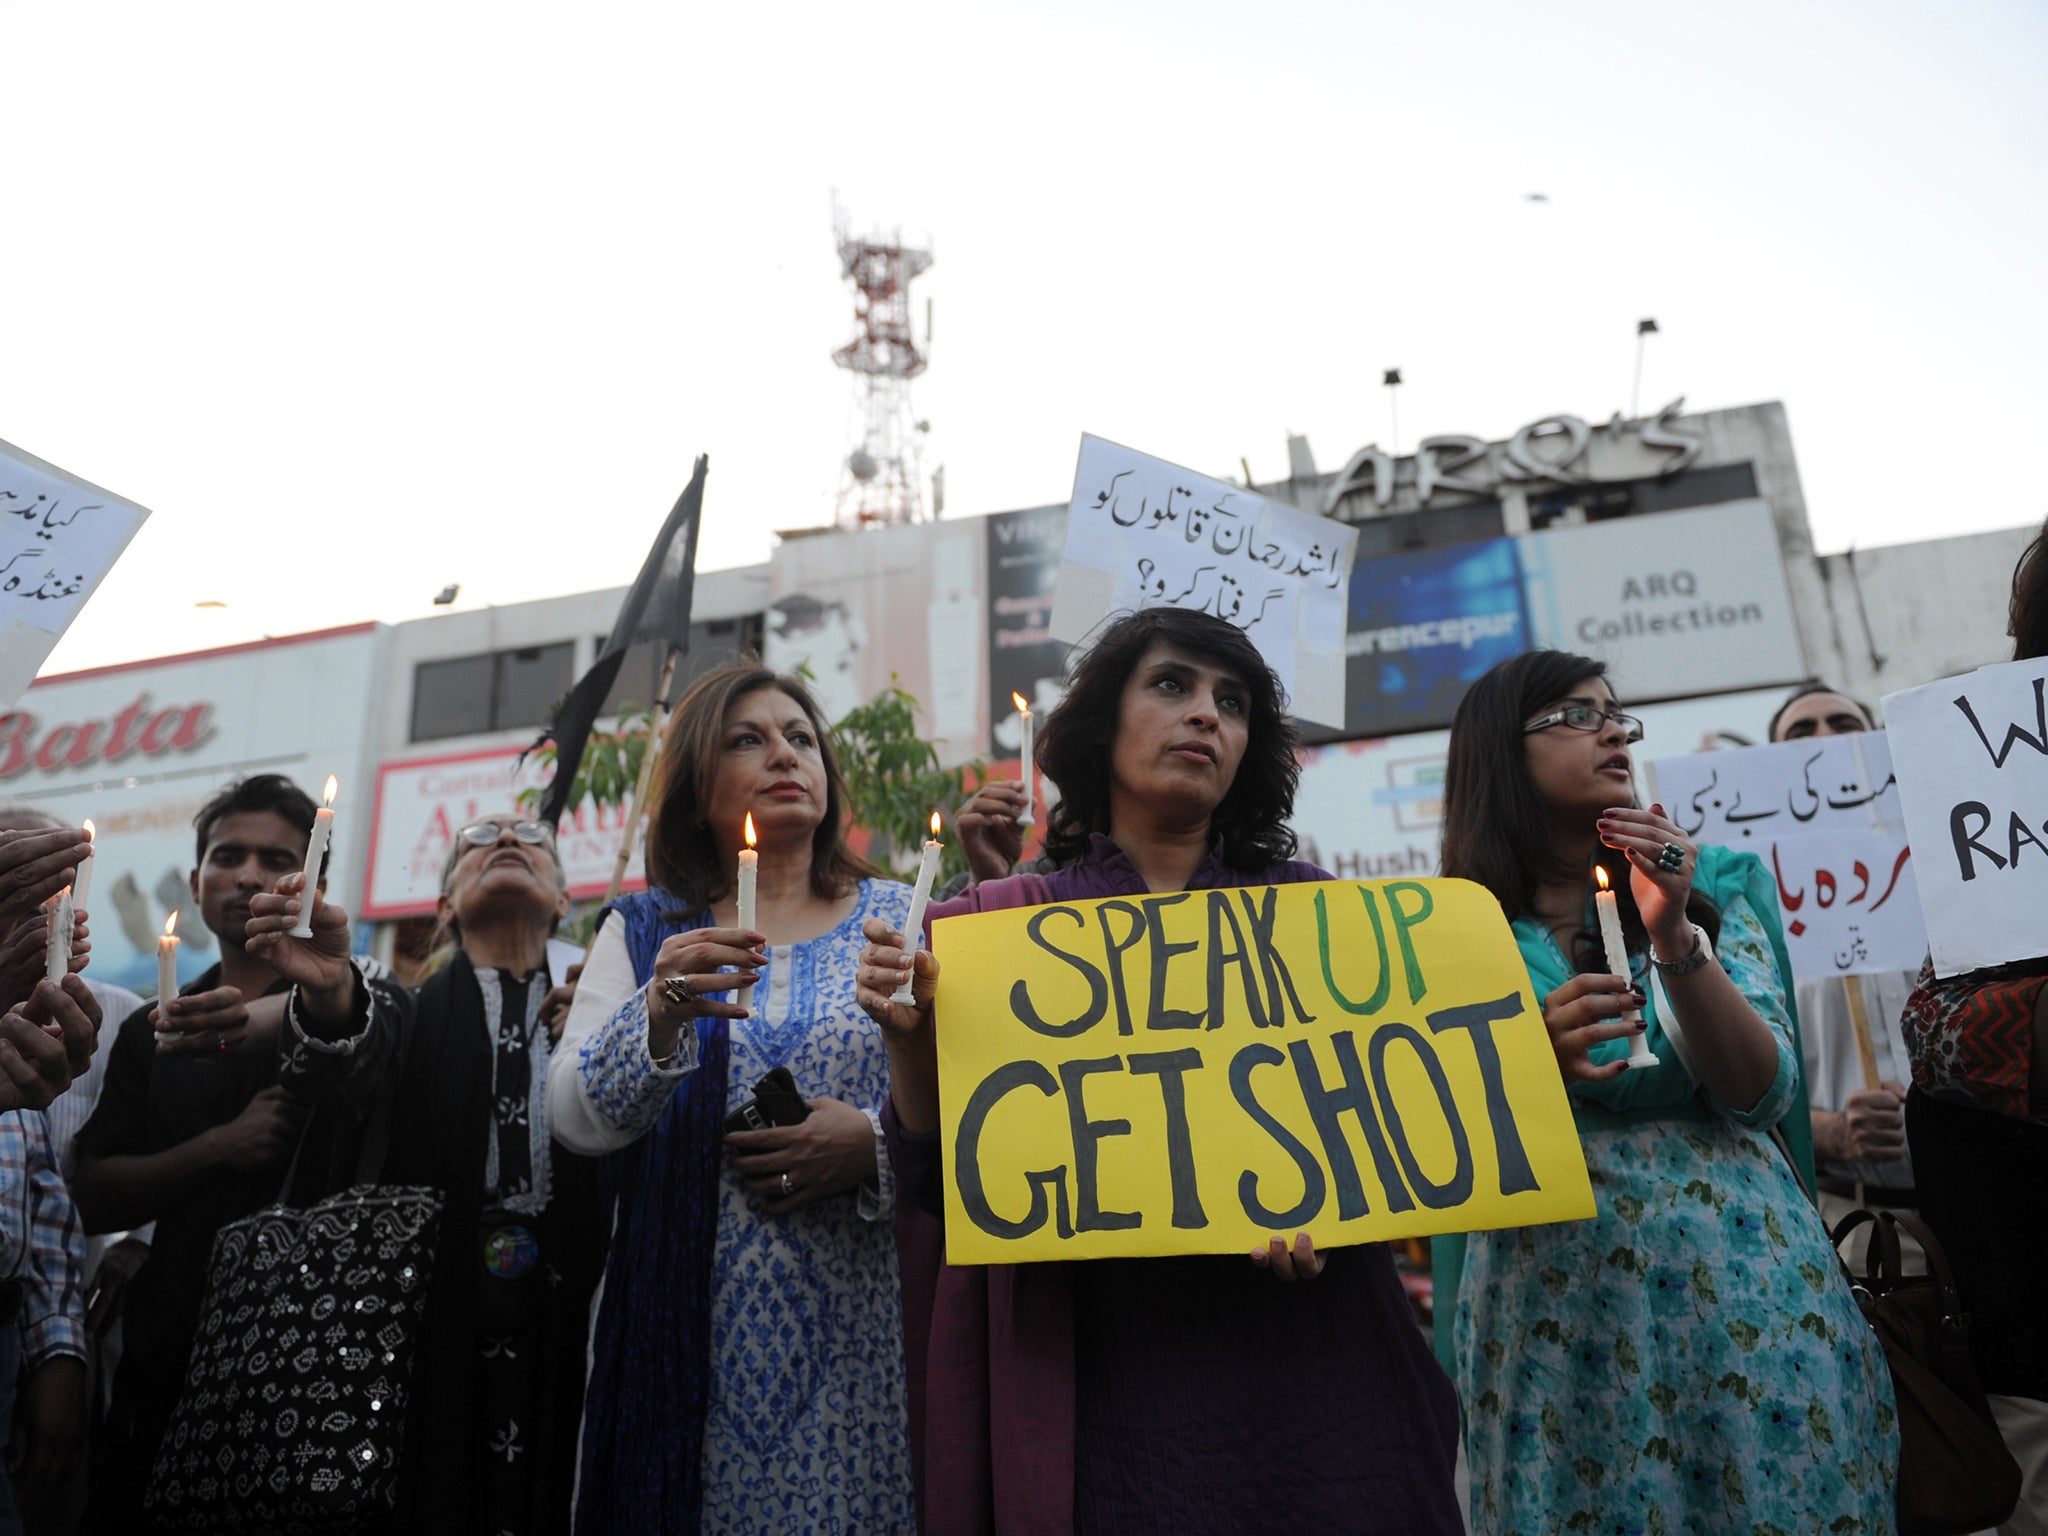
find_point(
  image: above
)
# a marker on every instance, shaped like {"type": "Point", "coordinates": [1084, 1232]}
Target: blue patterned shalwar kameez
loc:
{"type": "Point", "coordinates": [807, 1419]}
{"type": "Point", "coordinates": [1689, 1360]}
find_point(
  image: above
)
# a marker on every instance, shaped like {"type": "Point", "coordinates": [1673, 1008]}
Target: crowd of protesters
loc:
{"type": "Point", "coordinates": [652, 1308]}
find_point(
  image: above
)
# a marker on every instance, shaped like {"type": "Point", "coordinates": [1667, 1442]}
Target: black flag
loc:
{"type": "Point", "coordinates": [657, 608]}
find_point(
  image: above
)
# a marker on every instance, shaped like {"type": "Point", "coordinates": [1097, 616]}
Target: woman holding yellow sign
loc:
{"type": "Point", "coordinates": [1691, 1358]}
{"type": "Point", "coordinates": [1175, 1393]}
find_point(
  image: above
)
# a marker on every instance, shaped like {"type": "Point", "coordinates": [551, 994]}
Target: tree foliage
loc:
{"type": "Point", "coordinates": [894, 781]}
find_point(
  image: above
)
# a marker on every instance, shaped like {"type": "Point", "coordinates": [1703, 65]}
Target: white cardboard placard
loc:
{"type": "Point", "coordinates": [1144, 533]}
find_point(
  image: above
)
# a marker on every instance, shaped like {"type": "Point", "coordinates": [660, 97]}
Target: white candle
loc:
{"type": "Point", "coordinates": [1639, 1053]}
{"type": "Point", "coordinates": [167, 965]}
{"type": "Point", "coordinates": [57, 950]}
{"type": "Point", "coordinates": [316, 850]}
{"type": "Point", "coordinates": [750, 869]}
{"type": "Point", "coordinates": [81, 883]}
{"type": "Point", "coordinates": [1030, 816]}
{"type": "Point", "coordinates": [920, 895]}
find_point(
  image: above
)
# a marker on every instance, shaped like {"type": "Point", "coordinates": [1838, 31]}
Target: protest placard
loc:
{"type": "Point", "coordinates": [58, 537]}
{"type": "Point", "coordinates": [1824, 814]}
{"type": "Point", "coordinates": [1200, 1071]}
{"type": "Point", "coordinates": [1971, 753]}
{"type": "Point", "coordinates": [1144, 533]}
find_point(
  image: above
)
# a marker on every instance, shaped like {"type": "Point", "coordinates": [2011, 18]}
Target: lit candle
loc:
{"type": "Point", "coordinates": [1639, 1054]}
{"type": "Point", "coordinates": [750, 868]}
{"type": "Point", "coordinates": [167, 965]}
{"type": "Point", "coordinates": [57, 949]}
{"type": "Point", "coordinates": [81, 882]}
{"type": "Point", "coordinates": [316, 850]}
{"type": "Point", "coordinates": [1030, 816]}
{"type": "Point", "coordinates": [921, 893]}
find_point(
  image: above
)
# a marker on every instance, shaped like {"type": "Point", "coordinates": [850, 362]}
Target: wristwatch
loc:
{"type": "Point", "coordinates": [1702, 952]}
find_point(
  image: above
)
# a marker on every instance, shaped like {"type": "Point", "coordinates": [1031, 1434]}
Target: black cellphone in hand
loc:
{"type": "Point", "coordinates": [775, 1102]}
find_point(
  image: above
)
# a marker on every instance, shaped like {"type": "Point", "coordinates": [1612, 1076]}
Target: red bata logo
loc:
{"type": "Point", "coordinates": [178, 728]}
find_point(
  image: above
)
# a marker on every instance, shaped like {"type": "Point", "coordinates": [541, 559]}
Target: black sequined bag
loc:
{"type": "Point", "coordinates": [293, 1414]}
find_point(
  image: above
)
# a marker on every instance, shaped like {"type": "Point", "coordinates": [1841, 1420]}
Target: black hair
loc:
{"type": "Point", "coordinates": [1074, 743]}
{"type": "Point", "coordinates": [1496, 830]}
{"type": "Point", "coordinates": [260, 792]}
{"type": "Point", "coordinates": [1771, 730]}
{"type": "Point", "coordinates": [2027, 618]}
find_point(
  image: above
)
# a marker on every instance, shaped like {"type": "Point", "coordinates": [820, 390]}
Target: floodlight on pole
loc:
{"type": "Point", "coordinates": [1645, 327]}
{"type": "Point", "coordinates": [1392, 379]}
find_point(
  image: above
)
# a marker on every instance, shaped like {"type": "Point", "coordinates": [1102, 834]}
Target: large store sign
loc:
{"type": "Point", "coordinates": [140, 749]}
{"type": "Point", "coordinates": [421, 804]}
{"type": "Point", "coordinates": [1677, 603]}
{"type": "Point", "coordinates": [1560, 449]}
{"type": "Point", "coordinates": [141, 729]}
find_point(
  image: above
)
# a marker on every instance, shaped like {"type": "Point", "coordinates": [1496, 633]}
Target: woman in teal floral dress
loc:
{"type": "Point", "coordinates": [1689, 1360]}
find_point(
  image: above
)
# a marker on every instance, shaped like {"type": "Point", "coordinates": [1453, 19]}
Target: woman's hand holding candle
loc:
{"type": "Point", "coordinates": [1587, 1011]}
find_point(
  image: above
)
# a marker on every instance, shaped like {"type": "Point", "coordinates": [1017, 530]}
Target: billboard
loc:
{"type": "Point", "coordinates": [1023, 574]}
{"type": "Point", "coordinates": [1422, 628]}
{"type": "Point", "coordinates": [141, 747]}
{"type": "Point", "coordinates": [1676, 603]}
{"type": "Point", "coordinates": [421, 803]}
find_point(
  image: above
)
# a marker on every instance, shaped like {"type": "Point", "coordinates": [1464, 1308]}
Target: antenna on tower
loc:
{"type": "Point", "coordinates": [881, 484]}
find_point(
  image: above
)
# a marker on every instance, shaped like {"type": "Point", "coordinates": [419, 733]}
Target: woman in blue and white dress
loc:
{"type": "Point", "coordinates": [747, 1357]}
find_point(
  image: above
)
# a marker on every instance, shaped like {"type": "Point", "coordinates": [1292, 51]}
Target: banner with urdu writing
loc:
{"type": "Point", "coordinates": [1200, 1071]}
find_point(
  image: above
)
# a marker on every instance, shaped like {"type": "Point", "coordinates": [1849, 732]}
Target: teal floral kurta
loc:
{"type": "Point", "coordinates": [1690, 1360]}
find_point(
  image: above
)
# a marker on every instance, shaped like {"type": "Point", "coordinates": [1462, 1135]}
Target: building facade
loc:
{"type": "Point", "coordinates": [1675, 547]}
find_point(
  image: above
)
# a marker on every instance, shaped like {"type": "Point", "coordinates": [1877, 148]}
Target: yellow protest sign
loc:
{"type": "Point", "coordinates": [1200, 1071]}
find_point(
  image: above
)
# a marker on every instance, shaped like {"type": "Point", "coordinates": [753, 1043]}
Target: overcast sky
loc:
{"type": "Point", "coordinates": [361, 300]}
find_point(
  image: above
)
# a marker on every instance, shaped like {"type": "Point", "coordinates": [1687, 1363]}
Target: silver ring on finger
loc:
{"type": "Point", "coordinates": [788, 1188]}
{"type": "Point", "coordinates": [1672, 857]}
{"type": "Point", "coordinates": [677, 990]}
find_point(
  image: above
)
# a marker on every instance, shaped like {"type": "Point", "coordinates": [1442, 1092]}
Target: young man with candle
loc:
{"type": "Point", "coordinates": [191, 1131]}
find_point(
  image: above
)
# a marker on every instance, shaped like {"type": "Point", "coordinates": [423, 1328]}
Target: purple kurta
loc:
{"type": "Point", "coordinates": [1196, 1394]}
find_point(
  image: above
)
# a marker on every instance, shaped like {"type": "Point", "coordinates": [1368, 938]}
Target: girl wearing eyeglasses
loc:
{"type": "Point", "coordinates": [1691, 1358]}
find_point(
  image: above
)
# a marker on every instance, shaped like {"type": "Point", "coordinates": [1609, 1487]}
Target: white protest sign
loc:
{"type": "Point", "coordinates": [58, 537]}
{"type": "Point", "coordinates": [1824, 815]}
{"type": "Point", "coordinates": [1144, 533]}
{"type": "Point", "coordinates": [1753, 796]}
{"type": "Point", "coordinates": [1971, 753]}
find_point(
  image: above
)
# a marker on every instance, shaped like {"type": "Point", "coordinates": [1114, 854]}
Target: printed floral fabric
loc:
{"type": "Point", "coordinates": [1689, 1360]}
{"type": "Point", "coordinates": [808, 1424]}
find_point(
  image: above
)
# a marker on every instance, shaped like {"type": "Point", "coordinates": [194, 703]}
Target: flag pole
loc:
{"type": "Point", "coordinates": [656, 730]}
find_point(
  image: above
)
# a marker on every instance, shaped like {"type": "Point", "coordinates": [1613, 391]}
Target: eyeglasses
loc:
{"type": "Point", "coordinates": [481, 834]}
{"type": "Point", "coordinates": [1585, 717]}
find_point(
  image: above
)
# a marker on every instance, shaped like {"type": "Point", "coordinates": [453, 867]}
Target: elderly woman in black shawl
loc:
{"type": "Point", "coordinates": [498, 1385]}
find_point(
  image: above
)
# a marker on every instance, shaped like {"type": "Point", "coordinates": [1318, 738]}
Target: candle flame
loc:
{"type": "Point", "coordinates": [171, 926]}
{"type": "Point", "coordinates": [1022, 707]}
{"type": "Point", "coordinates": [750, 829]}
{"type": "Point", "coordinates": [1600, 874]}
{"type": "Point", "coordinates": [935, 823]}
{"type": "Point", "coordinates": [90, 833]}
{"type": "Point", "coordinates": [332, 785]}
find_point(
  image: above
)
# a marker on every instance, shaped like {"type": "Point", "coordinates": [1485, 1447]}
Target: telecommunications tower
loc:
{"type": "Point", "coordinates": [880, 484]}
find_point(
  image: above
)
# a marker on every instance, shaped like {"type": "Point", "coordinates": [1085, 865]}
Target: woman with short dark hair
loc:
{"type": "Point", "coordinates": [747, 1358]}
{"type": "Point", "coordinates": [1690, 1359]}
{"type": "Point", "coordinates": [1161, 1394]}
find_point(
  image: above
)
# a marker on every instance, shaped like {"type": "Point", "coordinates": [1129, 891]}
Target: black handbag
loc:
{"type": "Point", "coordinates": [1955, 1474]}
{"type": "Point", "coordinates": [293, 1415]}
